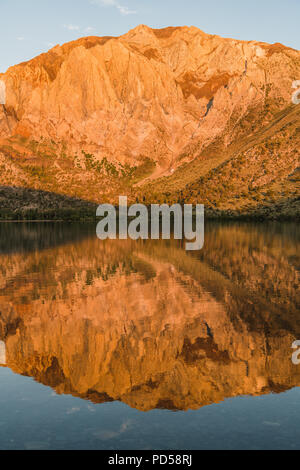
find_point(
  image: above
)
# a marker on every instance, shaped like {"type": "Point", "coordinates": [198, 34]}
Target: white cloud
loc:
{"type": "Point", "coordinates": [71, 27]}
{"type": "Point", "coordinates": [124, 10]}
{"type": "Point", "coordinates": [20, 38]}
{"type": "Point", "coordinates": [89, 29]}
{"type": "Point", "coordinates": [75, 27]}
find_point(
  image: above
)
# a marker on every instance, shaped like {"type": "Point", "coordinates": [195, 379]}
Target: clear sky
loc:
{"type": "Point", "coordinates": [29, 27]}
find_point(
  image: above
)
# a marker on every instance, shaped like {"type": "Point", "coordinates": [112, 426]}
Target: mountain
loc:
{"type": "Point", "coordinates": [161, 115]}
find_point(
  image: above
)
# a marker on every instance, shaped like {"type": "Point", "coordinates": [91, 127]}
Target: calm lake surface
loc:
{"type": "Point", "coordinates": [142, 345]}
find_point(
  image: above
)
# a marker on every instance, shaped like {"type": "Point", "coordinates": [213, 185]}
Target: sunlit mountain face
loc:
{"type": "Point", "coordinates": [172, 114]}
{"type": "Point", "coordinates": [147, 323]}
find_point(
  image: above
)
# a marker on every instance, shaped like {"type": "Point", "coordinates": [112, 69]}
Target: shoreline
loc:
{"type": "Point", "coordinates": [210, 218]}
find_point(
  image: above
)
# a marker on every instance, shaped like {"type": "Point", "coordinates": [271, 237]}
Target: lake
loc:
{"type": "Point", "coordinates": [141, 345]}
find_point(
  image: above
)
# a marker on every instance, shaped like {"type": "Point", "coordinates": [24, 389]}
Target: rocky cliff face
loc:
{"type": "Point", "coordinates": [156, 99]}
{"type": "Point", "coordinates": [147, 93]}
{"type": "Point", "coordinates": [151, 326]}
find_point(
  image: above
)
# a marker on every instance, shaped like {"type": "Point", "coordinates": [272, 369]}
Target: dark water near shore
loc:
{"type": "Point", "coordinates": [142, 345]}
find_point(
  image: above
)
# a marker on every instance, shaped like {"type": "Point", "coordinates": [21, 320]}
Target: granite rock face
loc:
{"type": "Point", "coordinates": [163, 94]}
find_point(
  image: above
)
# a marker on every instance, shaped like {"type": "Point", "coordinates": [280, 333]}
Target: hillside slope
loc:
{"type": "Point", "coordinates": [255, 176]}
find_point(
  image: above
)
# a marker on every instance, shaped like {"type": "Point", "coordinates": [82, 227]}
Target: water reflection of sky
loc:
{"type": "Point", "coordinates": [34, 417]}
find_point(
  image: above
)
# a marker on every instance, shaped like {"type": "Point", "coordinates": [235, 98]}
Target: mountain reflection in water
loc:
{"type": "Point", "coordinates": [147, 323]}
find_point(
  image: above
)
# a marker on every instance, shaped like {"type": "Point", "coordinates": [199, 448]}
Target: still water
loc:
{"type": "Point", "coordinates": [142, 345]}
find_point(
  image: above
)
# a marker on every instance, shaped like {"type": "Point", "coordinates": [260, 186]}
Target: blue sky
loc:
{"type": "Point", "coordinates": [29, 27]}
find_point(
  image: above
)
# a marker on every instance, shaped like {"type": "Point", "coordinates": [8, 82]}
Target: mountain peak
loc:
{"type": "Point", "coordinates": [162, 33]}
